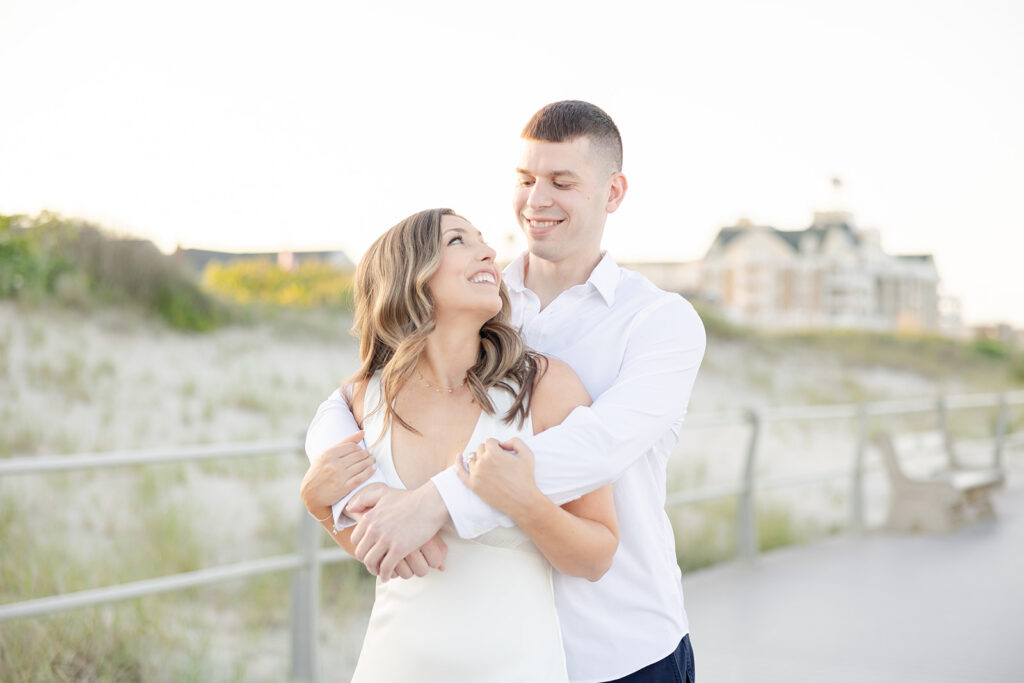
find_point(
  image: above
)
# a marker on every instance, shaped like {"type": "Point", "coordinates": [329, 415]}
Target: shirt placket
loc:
{"type": "Point", "coordinates": [549, 322]}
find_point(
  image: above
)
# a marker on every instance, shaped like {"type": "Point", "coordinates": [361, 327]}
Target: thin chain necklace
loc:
{"type": "Point", "coordinates": [437, 389]}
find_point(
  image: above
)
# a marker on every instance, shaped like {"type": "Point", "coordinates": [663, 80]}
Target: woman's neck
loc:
{"type": "Point", "coordinates": [452, 349]}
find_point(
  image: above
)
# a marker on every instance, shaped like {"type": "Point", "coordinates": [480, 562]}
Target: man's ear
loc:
{"type": "Point", "coordinates": [616, 192]}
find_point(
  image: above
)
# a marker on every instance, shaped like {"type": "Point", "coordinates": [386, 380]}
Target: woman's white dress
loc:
{"type": "Point", "coordinates": [489, 617]}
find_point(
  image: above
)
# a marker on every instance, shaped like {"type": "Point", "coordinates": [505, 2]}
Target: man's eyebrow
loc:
{"type": "Point", "coordinates": [553, 174]}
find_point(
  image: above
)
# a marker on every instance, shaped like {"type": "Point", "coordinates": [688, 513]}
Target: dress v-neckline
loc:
{"type": "Point", "coordinates": [391, 451]}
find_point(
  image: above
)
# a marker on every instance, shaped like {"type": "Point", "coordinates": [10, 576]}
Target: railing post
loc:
{"type": "Point", "coordinates": [306, 603]}
{"type": "Point", "coordinates": [857, 485]}
{"type": "Point", "coordinates": [947, 441]}
{"type": "Point", "coordinates": [746, 514]}
{"type": "Point", "coordinates": [1002, 422]}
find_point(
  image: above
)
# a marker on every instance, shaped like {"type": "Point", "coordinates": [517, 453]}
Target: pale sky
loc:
{"type": "Point", "coordinates": [244, 125]}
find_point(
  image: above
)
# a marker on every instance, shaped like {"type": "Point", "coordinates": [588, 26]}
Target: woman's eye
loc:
{"type": "Point", "coordinates": [455, 239]}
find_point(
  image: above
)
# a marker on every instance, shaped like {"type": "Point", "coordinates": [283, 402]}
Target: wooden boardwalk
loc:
{"type": "Point", "coordinates": [876, 607]}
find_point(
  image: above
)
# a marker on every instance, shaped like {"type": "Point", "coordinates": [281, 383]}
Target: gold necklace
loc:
{"type": "Point", "coordinates": [437, 389]}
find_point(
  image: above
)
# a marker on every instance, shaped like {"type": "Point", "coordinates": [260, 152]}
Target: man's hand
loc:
{"type": "Point", "coordinates": [333, 475]}
{"type": "Point", "coordinates": [502, 475]}
{"type": "Point", "coordinates": [395, 523]}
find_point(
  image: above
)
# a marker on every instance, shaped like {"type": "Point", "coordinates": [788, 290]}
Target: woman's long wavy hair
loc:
{"type": "Point", "coordinates": [395, 315]}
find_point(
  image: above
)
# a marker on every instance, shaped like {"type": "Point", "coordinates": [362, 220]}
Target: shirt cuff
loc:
{"type": "Point", "coordinates": [470, 515]}
{"type": "Point", "coordinates": [343, 521]}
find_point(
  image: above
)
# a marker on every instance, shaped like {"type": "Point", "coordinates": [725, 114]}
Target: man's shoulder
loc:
{"type": "Point", "coordinates": [650, 308]}
{"type": "Point", "coordinates": [634, 290]}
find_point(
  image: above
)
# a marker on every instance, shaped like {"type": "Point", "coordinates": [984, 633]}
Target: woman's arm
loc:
{"type": "Point", "coordinates": [578, 538]}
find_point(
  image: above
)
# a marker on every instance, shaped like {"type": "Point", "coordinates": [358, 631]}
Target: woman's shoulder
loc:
{"type": "Point", "coordinates": [557, 391]}
{"type": "Point", "coordinates": [552, 370]}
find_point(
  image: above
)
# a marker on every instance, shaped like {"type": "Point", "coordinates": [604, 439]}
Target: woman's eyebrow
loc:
{"type": "Point", "coordinates": [461, 231]}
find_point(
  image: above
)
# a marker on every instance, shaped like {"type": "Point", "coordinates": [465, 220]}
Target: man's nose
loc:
{"type": "Point", "coordinates": [540, 196]}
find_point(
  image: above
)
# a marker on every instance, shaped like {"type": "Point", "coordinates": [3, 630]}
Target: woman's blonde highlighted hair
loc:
{"type": "Point", "coordinates": [395, 315]}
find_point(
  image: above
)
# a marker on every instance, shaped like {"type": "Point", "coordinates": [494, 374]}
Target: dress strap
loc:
{"type": "Point", "coordinates": [376, 436]}
{"type": "Point", "coordinates": [373, 420]}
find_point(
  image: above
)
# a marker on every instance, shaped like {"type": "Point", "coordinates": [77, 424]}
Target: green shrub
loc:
{"type": "Point", "coordinates": [77, 264]}
{"type": "Point", "coordinates": [990, 348]}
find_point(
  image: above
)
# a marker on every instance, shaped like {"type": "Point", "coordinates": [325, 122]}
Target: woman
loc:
{"type": "Point", "coordinates": [443, 372]}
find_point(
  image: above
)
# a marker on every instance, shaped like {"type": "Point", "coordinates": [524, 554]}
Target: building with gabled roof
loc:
{"type": "Point", "coordinates": [829, 275]}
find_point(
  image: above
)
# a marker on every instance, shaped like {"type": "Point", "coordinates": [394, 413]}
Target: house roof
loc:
{"type": "Point", "coordinates": [817, 231]}
{"type": "Point", "coordinates": [199, 258]}
{"type": "Point", "coordinates": [925, 258]}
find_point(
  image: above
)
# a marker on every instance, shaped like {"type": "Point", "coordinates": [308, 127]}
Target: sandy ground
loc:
{"type": "Point", "coordinates": [73, 382]}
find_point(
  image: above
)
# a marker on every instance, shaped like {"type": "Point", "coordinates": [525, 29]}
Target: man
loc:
{"type": "Point", "coordinates": [636, 348]}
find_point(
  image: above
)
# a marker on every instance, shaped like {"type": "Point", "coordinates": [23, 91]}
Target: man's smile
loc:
{"type": "Point", "coordinates": [539, 226]}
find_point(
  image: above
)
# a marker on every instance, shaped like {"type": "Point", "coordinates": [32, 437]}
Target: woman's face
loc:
{"type": "Point", "coordinates": [467, 280]}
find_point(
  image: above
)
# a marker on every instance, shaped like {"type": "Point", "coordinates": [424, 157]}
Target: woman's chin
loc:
{"type": "Point", "coordinates": [489, 312]}
{"type": "Point", "coordinates": [481, 311]}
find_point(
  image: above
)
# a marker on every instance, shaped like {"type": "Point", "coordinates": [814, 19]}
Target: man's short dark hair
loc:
{"type": "Point", "coordinates": [570, 119]}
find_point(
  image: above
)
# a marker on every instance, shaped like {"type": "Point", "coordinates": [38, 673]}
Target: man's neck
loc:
{"type": "Point", "coordinates": [548, 279]}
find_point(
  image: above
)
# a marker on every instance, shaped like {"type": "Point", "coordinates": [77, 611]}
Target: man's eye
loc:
{"type": "Point", "coordinates": [560, 186]}
{"type": "Point", "coordinates": [525, 182]}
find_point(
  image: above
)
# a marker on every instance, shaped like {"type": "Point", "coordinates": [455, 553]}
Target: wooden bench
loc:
{"type": "Point", "coordinates": [942, 502]}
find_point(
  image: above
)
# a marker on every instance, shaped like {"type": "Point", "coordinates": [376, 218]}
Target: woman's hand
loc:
{"type": "Point", "coordinates": [502, 474]}
{"type": "Point", "coordinates": [332, 476]}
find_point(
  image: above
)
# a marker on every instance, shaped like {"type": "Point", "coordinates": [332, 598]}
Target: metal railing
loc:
{"type": "Point", "coordinates": [755, 420]}
{"type": "Point", "coordinates": [307, 562]}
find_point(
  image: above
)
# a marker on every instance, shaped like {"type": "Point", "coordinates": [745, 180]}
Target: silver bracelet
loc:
{"type": "Point", "coordinates": [329, 515]}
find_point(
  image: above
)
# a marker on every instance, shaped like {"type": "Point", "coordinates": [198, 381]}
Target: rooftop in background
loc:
{"type": "Point", "coordinates": [197, 259]}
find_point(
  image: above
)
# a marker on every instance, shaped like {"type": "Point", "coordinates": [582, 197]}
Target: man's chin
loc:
{"type": "Point", "coordinates": [543, 250]}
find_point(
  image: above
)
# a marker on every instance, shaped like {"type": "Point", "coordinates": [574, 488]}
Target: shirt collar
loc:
{"type": "Point", "coordinates": [515, 273]}
{"type": "Point", "coordinates": [604, 278]}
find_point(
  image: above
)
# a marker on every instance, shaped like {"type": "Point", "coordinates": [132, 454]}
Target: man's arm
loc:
{"type": "Point", "coordinates": [332, 423]}
{"type": "Point", "coordinates": [595, 445]}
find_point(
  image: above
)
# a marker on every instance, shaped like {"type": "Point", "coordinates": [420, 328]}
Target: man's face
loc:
{"type": "Point", "coordinates": [563, 195]}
